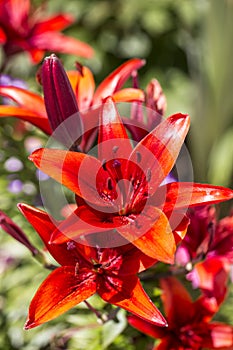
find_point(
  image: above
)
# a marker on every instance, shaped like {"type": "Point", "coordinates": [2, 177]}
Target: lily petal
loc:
{"type": "Point", "coordinates": [129, 294]}
{"type": "Point", "coordinates": [147, 327]}
{"type": "Point", "coordinates": [129, 95]}
{"type": "Point", "coordinates": [113, 140]}
{"type": "Point", "coordinates": [57, 22]}
{"type": "Point", "coordinates": [45, 226]}
{"type": "Point", "coordinates": [221, 336]}
{"type": "Point", "coordinates": [29, 100]}
{"type": "Point", "coordinates": [77, 171]}
{"type": "Point", "coordinates": [160, 148]}
{"type": "Point", "coordinates": [57, 42]}
{"type": "Point", "coordinates": [2, 36]}
{"type": "Point", "coordinates": [151, 233]}
{"type": "Point", "coordinates": [116, 79]}
{"type": "Point", "coordinates": [178, 305]}
{"type": "Point", "coordinates": [182, 195]}
{"type": "Point", "coordinates": [83, 85]}
{"type": "Point", "coordinates": [27, 116]}
{"type": "Point", "coordinates": [81, 222]}
{"type": "Point", "coordinates": [60, 291]}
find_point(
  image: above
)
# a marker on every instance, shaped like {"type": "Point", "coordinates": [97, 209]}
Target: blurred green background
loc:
{"type": "Point", "coordinates": [188, 47]}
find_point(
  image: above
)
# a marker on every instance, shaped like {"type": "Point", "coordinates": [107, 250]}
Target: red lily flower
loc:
{"type": "Point", "coordinates": [211, 277]}
{"type": "Point", "coordinates": [58, 95]}
{"type": "Point", "coordinates": [120, 191]}
{"type": "Point", "coordinates": [85, 270]}
{"type": "Point", "coordinates": [208, 247]}
{"type": "Point", "coordinates": [188, 322]}
{"type": "Point", "coordinates": [21, 30]}
{"type": "Point", "coordinates": [206, 236]}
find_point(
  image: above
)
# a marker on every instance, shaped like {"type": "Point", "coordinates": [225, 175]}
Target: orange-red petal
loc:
{"type": "Point", "coordinates": [178, 304]}
{"type": "Point", "coordinates": [45, 226]}
{"type": "Point", "coordinates": [128, 293]}
{"type": "Point", "coordinates": [182, 195]}
{"type": "Point", "coordinates": [116, 79]}
{"type": "Point", "coordinates": [113, 141]}
{"type": "Point", "coordinates": [26, 115]}
{"type": "Point", "coordinates": [160, 148]}
{"type": "Point", "coordinates": [77, 171]}
{"type": "Point", "coordinates": [57, 42]}
{"type": "Point", "coordinates": [61, 290]}
{"type": "Point", "coordinates": [151, 233]}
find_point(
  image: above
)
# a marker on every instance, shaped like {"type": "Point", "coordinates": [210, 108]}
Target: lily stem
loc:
{"type": "Point", "coordinates": [96, 312]}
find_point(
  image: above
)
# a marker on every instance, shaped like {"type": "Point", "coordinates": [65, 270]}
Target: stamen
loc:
{"type": "Point", "coordinates": [70, 245]}
{"type": "Point", "coordinates": [116, 163]}
{"type": "Point", "coordinates": [76, 268]}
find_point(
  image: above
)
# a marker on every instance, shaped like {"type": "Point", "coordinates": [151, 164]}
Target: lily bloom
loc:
{"type": "Point", "coordinates": [208, 249]}
{"type": "Point", "coordinates": [121, 190]}
{"type": "Point", "coordinates": [61, 101]}
{"type": "Point", "coordinates": [189, 325]}
{"type": "Point", "coordinates": [24, 30]}
{"type": "Point", "coordinates": [84, 271]}
{"type": "Point", "coordinates": [207, 236]}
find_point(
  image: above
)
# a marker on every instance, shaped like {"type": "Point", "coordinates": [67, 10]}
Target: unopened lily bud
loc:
{"type": "Point", "coordinates": [60, 102]}
{"type": "Point", "coordinates": [15, 231]}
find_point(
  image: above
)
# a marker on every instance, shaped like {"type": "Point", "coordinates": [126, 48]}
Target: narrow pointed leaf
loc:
{"type": "Point", "coordinates": [62, 290]}
{"type": "Point", "coordinates": [116, 79]}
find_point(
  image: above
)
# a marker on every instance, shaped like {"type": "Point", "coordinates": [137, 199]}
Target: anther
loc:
{"type": "Point", "coordinates": [104, 164]}
{"type": "Point", "coordinates": [115, 149]}
{"type": "Point", "coordinates": [139, 157]}
{"type": "Point", "coordinates": [116, 163]}
{"type": "Point", "coordinates": [110, 187]}
{"type": "Point", "coordinates": [148, 175]}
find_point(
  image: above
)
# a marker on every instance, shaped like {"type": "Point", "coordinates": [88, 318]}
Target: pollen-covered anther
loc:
{"type": "Point", "coordinates": [116, 163]}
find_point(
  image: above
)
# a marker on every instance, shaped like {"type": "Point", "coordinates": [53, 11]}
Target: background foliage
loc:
{"type": "Point", "coordinates": [187, 46]}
